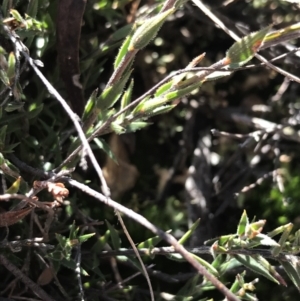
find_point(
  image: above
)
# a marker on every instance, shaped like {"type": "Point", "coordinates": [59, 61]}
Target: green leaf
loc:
{"type": "Point", "coordinates": [265, 263]}
{"type": "Point", "coordinates": [290, 268]}
{"type": "Point", "coordinates": [207, 265]}
{"type": "Point", "coordinates": [117, 128]}
{"type": "Point", "coordinates": [111, 94]}
{"type": "Point", "coordinates": [228, 265]}
{"type": "Point", "coordinates": [147, 107]}
{"type": "Point", "coordinates": [288, 228]}
{"type": "Point", "coordinates": [236, 284]}
{"type": "Point", "coordinates": [244, 50]}
{"type": "Point", "coordinates": [114, 236]}
{"type": "Point", "coordinates": [222, 240]}
{"type": "Point", "coordinates": [183, 88]}
{"type": "Point", "coordinates": [61, 240]}
{"type": "Point", "coordinates": [101, 242]}
{"type": "Point", "coordinates": [16, 15]}
{"type": "Point", "coordinates": [56, 255]}
{"type": "Point", "coordinates": [71, 264]}
{"type": "Point", "coordinates": [151, 242]}
{"type": "Point", "coordinates": [218, 261]}
{"type": "Point", "coordinates": [14, 188]}
{"type": "Point", "coordinates": [9, 148]}
{"type": "Point", "coordinates": [188, 234]}
{"type": "Point", "coordinates": [14, 105]}
{"type": "Point", "coordinates": [263, 239]}
{"type": "Point", "coordinates": [162, 110]}
{"type": "Point", "coordinates": [90, 105]}
{"type": "Point", "coordinates": [9, 169]}
{"type": "Point", "coordinates": [135, 126]}
{"type": "Point", "coordinates": [105, 147]}
{"type": "Point", "coordinates": [35, 111]}
{"type": "Point", "coordinates": [73, 231]}
{"type": "Point", "coordinates": [148, 30]}
{"type": "Point", "coordinates": [243, 224]}
{"type": "Point", "coordinates": [254, 266]}
{"type": "Point", "coordinates": [164, 88]}
{"type": "Point", "coordinates": [85, 237]}
{"type": "Point", "coordinates": [126, 98]}
{"type": "Point", "coordinates": [123, 50]}
{"type": "Point", "coordinates": [11, 66]}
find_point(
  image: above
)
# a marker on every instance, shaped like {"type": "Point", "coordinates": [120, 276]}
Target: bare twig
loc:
{"type": "Point", "coordinates": [77, 271]}
{"type": "Point", "coordinates": [137, 254]}
{"type": "Point", "coordinates": [17, 245]}
{"type": "Point", "coordinates": [258, 123]}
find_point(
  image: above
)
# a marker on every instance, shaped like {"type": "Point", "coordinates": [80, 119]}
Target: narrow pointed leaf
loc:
{"type": "Point", "coordinates": [291, 272]}
{"type": "Point", "coordinates": [123, 50]}
{"type": "Point", "coordinates": [255, 266]}
{"type": "Point", "coordinates": [11, 66]}
{"type": "Point", "coordinates": [282, 240]}
{"type": "Point", "coordinates": [207, 265]}
{"type": "Point", "coordinates": [148, 30]}
{"type": "Point", "coordinates": [136, 125]}
{"type": "Point", "coordinates": [111, 94]}
{"type": "Point", "coordinates": [262, 239]}
{"type": "Point", "coordinates": [90, 105]}
{"type": "Point", "coordinates": [244, 50]}
{"type": "Point", "coordinates": [114, 236]}
{"type": "Point", "coordinates": [265, 263]}
{"type": "Point", "coordinates": [35, 112]}
{"type": "Point", "coordinates": [126, 98]}
{"type": "Point", "coordinates": [14, 188]}
{"type": "Point", "coordinates": [188, 234]}
{"type": "Point", "coordinates": [16, 15]}
{"type": "Point", "coordinates": [106, 148]}
{"type": "Point", "coordinates": [164, 88]}
{"type": "Point", "coordinates": [243, 224]}
{"type": "Point", "coordinates": [85, 237]}
{"type": "Point", "coordinates": [162, 110]}
{"type": "Point", "coordinates": [151, 242]}
{"type": "Point", "coordinates": [127, 95]}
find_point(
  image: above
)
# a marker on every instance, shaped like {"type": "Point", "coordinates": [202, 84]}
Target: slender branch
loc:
{"type": "Point", "coordinates": [202, 250]}
{"type": "Point", "coordinates": [165, 236]}
{"type": "Point", "coordinates": [136, 254]}
{"type": "Point", "coordinates": [16, 245]}
{"type": "Point", "coordinates": [75, 119]}
{"type": "Point", "coordinates": [217, 21]}
{"type": "Point", "coordinates": [78, 273]}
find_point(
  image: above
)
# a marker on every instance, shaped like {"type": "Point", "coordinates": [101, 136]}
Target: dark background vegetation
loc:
{"type": "Point", "coordinates": [157, 161]}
